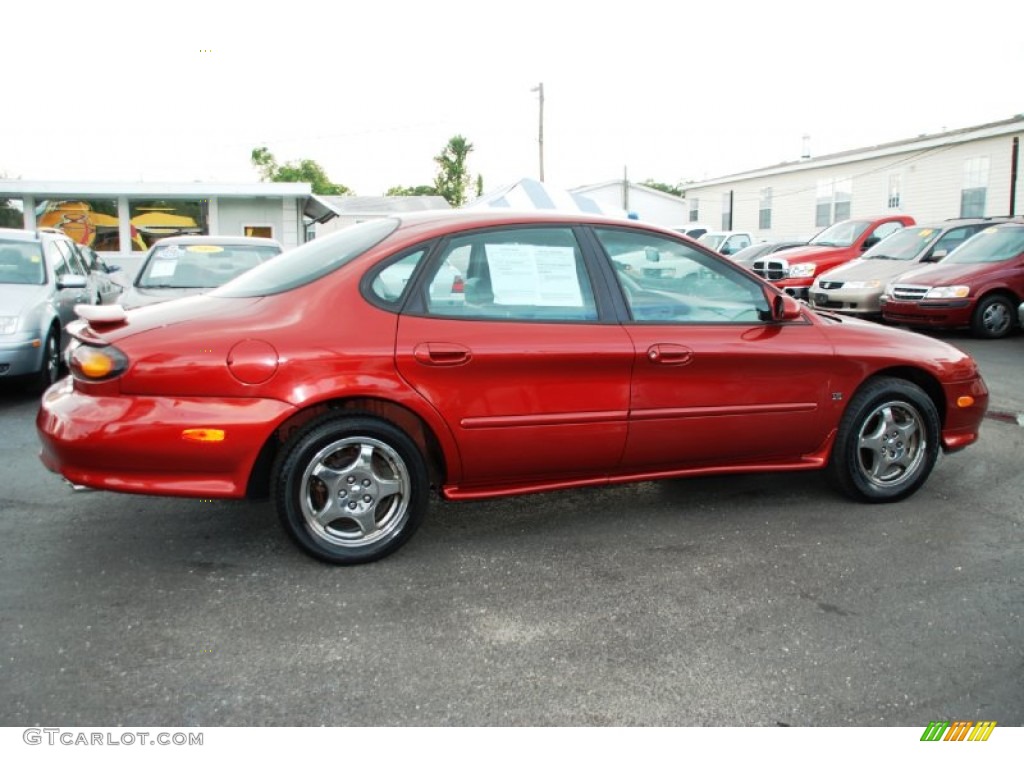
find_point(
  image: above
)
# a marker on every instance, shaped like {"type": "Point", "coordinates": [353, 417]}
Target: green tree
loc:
{"type": "Point", "coordinates": [672, 189]}
{"type": "Point", "coordinates": [302, 170]}
{"type": "Point", "coordinates": [452, 178]}
{"type": "Point", "coordinates": [410, 191]}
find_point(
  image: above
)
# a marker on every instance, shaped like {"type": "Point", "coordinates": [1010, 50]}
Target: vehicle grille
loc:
{"type": "Point", "coordinates": [772, 269]}
{"type": "Point", "coordinates": [829, 285]}
{"type": "Point", "coordinates": [909, 292]}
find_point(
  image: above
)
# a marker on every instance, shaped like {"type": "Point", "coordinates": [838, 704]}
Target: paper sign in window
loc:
{"type": "Point", "coordinates": [534, 275]}
{"type": "Point", "coordinates": [163, 268]}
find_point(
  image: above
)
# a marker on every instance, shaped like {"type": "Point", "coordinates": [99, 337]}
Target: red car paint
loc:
{"type": "Point", "coordinates": [494, 406]}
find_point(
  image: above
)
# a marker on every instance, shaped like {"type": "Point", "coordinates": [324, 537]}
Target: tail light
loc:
{"type": "Point", "coordinates": [458, 284]}
{"type": "Point", "coordinates": [92, 363]}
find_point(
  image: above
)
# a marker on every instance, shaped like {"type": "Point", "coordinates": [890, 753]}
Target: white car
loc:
{"type": "Point", "coordinates": [726, 242]}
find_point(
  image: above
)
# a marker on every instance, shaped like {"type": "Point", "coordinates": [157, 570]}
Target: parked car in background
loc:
{"type": "Point", "coordinates": [978, 286]}
{"type": "Point", "coordinates": [186, 265]}
{"type": "Point", "coordinates": [747, 256]}
{"type": "Point", "coordinates": [727, 242]}
{"type": "Point", "coordinates": [309, 379]}
{"type": "Point", "coordinates": [794, 270]}
{"type": "Point", "coordinates": [42, 278]}
{"type": "Point", "coordinates": [691, 230]}
{"type": "Point", "coordinates": [108, 289]}
{"type": "Point", "coordinates": [855, 288]}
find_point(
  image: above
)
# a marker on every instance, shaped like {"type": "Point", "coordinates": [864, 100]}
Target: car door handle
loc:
{"type": "Point", "coordinates": [669, 354]}
{"type": "Point", "coordinates": [441, 353]}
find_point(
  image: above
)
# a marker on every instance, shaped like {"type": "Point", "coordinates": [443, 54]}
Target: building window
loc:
{"type": "Point", "coordinates": [895, 182]}
{"type": "Point", "coordinates": [258, 230]}
{"type": "Point", "coordinates": [88, 222]}
{"type": "Point", "coordinates": [12, 212]}
{"type": "Point", "coordinates": [154, 220]}
{"type": "Point", "coordinates": [694, 209]}
{"type": "Point", "coordinates": [834, 200]}
{"type": "Point", "coordinates": [843, 194]}
{"type": "Point", "coordinates": [823, 204]}
{"type": "Point", "coordinates": [975, 186]}
{"type": "Point", "coordinates": [727, 210]}
{"type": "Point", "coordinates": [764, 214]}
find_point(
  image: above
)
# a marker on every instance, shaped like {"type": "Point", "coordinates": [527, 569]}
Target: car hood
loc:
{"type": "Point", "coordinates": [870, 269]}
{"type": "Point", "coordinates": [142, 297]}
{"type": "Point", "coordinates": [945, 274]}
{"type": "Point", "coordinates": [804, 253]}
{"type": "Point", "coordinates": [16, 298]}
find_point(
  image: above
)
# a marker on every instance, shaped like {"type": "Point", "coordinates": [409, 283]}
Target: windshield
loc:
{"type": "Point", "coordinates": [200, 265]}
{"type": "Point", "coordinates": [310, 261]}
{"type": "Point", "coordinates": [905, 245]}
{"type": "Point", "coordinates": [841, 234]}
{"type": "Point", "coordinates": [21, 262]}
{"type": "Point", "coordinates": [989, 245]}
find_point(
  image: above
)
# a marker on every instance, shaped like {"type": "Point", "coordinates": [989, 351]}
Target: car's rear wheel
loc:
{"type": "Point", "coordinates": [351, 489]}
{"type": "Point", "coordinates": [888, 442]}
{"type": "Point", "coordinates": [993, 317]}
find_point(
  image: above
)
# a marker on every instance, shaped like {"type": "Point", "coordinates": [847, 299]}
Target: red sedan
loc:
{"type": "Point", "coordinates": [486, 354]}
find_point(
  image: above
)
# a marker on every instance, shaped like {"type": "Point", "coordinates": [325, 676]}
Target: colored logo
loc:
{"type": "Point", "coordinates": [959, 730]}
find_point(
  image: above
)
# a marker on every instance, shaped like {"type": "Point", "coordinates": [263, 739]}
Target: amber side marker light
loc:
{"type": "Point", "coordinates": [966, 401]}
{"type": "Point", "coordinates": [203, 435]}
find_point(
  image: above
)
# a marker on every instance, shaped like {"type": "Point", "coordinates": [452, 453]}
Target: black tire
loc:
{"type": "Point", "coordinates": [993, 317]}
{"type": "Point", "coordinates": [350, 489]}
{"type": "Point", "coordinates": [888, 442]}
{"type": "Point", "coordinates": [50, 370]}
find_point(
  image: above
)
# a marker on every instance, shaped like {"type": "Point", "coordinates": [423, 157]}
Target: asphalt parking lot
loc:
{"type": "Point", "coordinates": [750, 600]}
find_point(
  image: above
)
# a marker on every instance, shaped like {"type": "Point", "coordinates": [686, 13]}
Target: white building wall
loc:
{"type": "Point", "coordinates": [931, 181]}
{"type": "Point", "coordinates": [650, 205]}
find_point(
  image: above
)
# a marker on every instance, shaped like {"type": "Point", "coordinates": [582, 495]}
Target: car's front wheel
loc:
{"type": "Point", "coordinates": [351, 489]}
{"type": "Point", "coordinates": [49, 372]}
{"type": "Point", "coordinates": [993, 317]}
{"type": "Point", "coordinates": [888, 442]}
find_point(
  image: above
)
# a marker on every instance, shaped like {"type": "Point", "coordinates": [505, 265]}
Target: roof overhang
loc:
{"type": "Point", "coordinates": [319, 210]}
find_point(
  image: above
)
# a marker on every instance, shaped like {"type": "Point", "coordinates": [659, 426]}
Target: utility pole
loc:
{"type": "Point", "coordinates": [540, 130]}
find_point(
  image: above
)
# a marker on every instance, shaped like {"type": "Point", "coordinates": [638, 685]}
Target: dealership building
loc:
{"type": "Point", "coordinates": [125, 218]}
{"type": "Point", "coordinates": [967, 172]}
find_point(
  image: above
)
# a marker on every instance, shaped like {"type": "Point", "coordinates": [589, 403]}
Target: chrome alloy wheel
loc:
{"type": "Point", "coordinates": [355, 492]}
{"type": "Point", "coordinates": [892, 443]}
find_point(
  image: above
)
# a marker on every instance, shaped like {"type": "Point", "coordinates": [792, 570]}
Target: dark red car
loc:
{"type": "Point", "coordinates": [352, 378]}
{"type": "Point", "coordinates": [978, 286]}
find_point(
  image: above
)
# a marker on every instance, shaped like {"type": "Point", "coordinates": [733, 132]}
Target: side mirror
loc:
{"type": "Point", "coordinates": [785, 307]}
{"type": "Point", "coordinates": [72, 281]}
{"type": "Point", "coordinates": [870, 241]}
{"type": "Point", "coordinates": [726, 250]}
{"type": "Point", "coordinates": [111, 268]}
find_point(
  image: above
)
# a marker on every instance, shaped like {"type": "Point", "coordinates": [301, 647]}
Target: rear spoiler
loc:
{"type": "Point", "coordinates": [101, 314]}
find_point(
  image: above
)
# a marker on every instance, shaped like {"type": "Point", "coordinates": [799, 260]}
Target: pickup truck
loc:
{"type": "Point", "coordinates": [794, 269]}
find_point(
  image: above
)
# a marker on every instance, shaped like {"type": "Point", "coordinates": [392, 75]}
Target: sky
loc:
{"type": "Point", "coordinates": [373, 91]}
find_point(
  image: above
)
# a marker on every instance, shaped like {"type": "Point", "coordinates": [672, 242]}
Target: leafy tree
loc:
{"type": "Point", "coordinates": [452, 178]}
{"type": "Point", "coordinates": [672, 189]}
{"type": "Point", "coordinates": [410, 191]}
{"type": "Point", "coordinates": [303, 170]}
